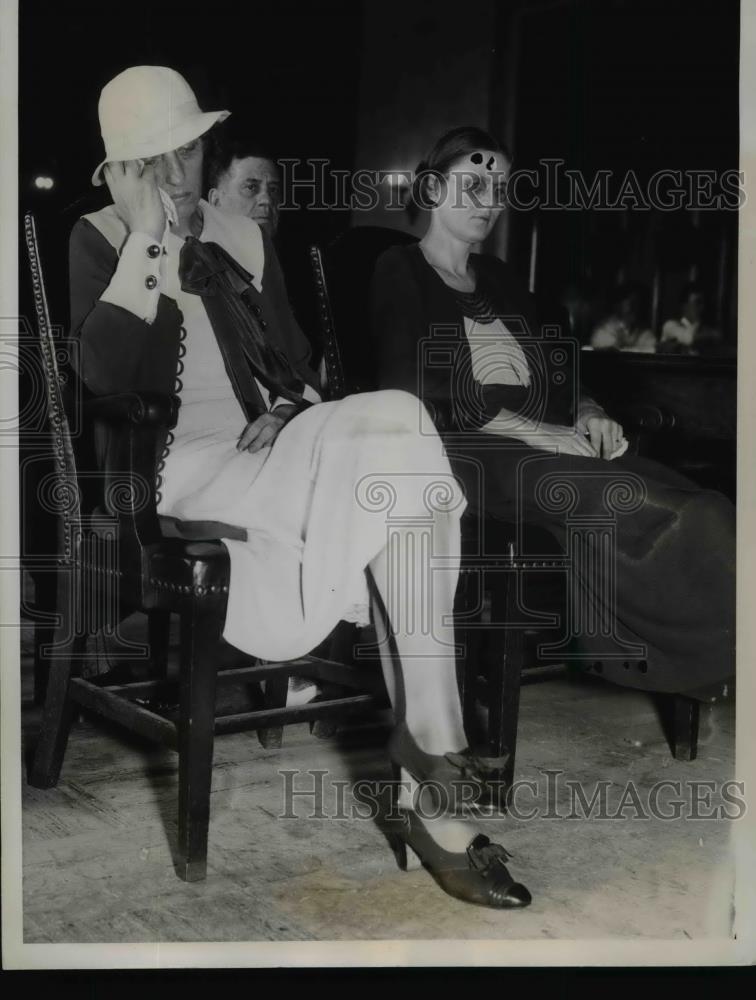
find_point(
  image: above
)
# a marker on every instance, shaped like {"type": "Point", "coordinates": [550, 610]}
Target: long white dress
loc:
{"type": "Point", "coordinates": [318, 506]}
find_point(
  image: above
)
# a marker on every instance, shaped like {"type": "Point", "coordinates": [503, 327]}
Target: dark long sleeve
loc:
{"type": "Point", "coordinates": [114, 350]}
{"type": "Point", "coordinates": [400, 328]}
{"type": "Point", "coordinates": [421, 345]}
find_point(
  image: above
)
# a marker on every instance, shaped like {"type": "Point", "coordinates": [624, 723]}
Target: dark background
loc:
{"type": "Point", "coordinates": [630, 84]}
{"type": "Point", "coordinates": [604, 84]}
{"type": "Point", "coordinates": [290, 69]}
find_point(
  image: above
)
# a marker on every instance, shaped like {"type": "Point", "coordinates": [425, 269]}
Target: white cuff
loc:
{"type": "Point", "coordinates": [135, 286]}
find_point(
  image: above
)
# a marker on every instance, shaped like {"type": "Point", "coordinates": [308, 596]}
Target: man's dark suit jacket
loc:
{"type": "Point", "coordinates": [420, 343]}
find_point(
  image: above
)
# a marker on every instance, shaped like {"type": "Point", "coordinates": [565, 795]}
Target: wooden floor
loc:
{"type": "Point", "coordinates": [97, 850]}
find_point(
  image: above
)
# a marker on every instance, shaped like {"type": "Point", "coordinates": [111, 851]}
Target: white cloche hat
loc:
{"type": "Point", "coordinates": [146, 111]}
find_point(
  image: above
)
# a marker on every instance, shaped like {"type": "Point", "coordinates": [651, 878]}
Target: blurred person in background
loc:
{"type": "Point", "coordinates": [625, 329]}
{"type": "Point", "coordinates": [689, 333]}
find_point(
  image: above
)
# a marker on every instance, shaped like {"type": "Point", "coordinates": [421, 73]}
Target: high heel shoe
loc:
{"type": "Point", "coordinates": [458, 784]}
{"type": "Point", "coordinates": [478, 876]}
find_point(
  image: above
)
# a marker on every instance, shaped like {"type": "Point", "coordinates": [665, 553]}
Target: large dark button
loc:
{"type": "Point", "coordinates": [263, 324]}
{"type": "Point", "coordinates": [256, 309]}
{"type": "Point", "coordinates": [150, 281]}
{"type": "Point", "coordinates": [153, 250]}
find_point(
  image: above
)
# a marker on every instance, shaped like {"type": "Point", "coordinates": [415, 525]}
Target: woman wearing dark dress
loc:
{"type": "Point", "coordinates": [652, 554]}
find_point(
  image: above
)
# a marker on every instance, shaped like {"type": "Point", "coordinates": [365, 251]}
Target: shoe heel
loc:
{"type": "Point", "coordinates": [404, 789]}
{"type": "Point", "coordinates": [399, 848]}
{"type": "Point", "coordinates": [412, 862]}
{"type": "Point", "coordinates": [406, 858]}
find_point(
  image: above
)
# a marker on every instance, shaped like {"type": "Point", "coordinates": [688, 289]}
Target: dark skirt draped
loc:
{"type": "Point", "coordinates": [650, 557]}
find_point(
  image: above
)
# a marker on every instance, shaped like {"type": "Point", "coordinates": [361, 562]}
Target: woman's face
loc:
{"type": "Point", "coordinates": [179, 174]}
{"type": "Point", "coordinates": [473, 197]}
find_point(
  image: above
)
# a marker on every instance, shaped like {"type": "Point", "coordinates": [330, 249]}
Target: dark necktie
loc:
{"type": "Point", "coordinates": [207, 270]}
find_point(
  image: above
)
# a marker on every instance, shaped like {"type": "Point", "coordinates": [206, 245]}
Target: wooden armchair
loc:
{"type": "Point", "coordinates": [117, 556]}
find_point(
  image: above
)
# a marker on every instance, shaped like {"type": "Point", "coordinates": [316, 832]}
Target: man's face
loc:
{"type": "Point", "coordinates": [250, 187]}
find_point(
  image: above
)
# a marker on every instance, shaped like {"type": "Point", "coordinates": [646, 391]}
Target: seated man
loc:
{"type": "Point", "coordinates": [689, 334]}
{"type": "Point", "coordinates": [243, 180]}
{"type": "Point", "coordinates": [624, 329]}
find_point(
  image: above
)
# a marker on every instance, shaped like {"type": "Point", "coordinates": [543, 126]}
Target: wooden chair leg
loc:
{"type": "Point", "coordinates": [504, 683]}
{"type": "Point", "coordinates": [59, 710]}
{"type": "Point", "coordinates": [42, 636]}
{"type": "Point", "coordinates": [276, 692]}
{"type": "Point", "coordinates": [201, 631]}
{"type": "Point", "coordinates": [341, 649]}
{"type": "Point", "coordinates": [467, 600]}
{"type": "Point", "coordinates": [44, 600]}
{"type": "Point", "coordinates": [342, 642]}
{"type": "Point", "coordinates": [159, 630]}
{"type": "Point", "coordinates": [685, 716]}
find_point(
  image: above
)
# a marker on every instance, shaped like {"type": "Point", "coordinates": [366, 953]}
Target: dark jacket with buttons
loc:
{"type": "Point", "coordinates": [420, 343]}
{"type": "Point", "coordinates": [115, 351]}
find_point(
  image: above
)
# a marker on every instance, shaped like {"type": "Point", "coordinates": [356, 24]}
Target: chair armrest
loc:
{"type": "Point", "coordinates": [146, 409]}
{"type": "Point", "coordinates": [130, 430]}
{"type": "Point", "coordinates": [646, 417]}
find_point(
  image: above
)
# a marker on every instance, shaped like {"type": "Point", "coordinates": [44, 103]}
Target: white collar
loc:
{"type": "Point", "coordinates": [238, 235]}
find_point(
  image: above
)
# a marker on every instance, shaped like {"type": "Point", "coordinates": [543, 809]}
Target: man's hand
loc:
{"type": "Point", "coordinates": [136, 197]}
{"type": "Point", "coordinates": [261, 433]}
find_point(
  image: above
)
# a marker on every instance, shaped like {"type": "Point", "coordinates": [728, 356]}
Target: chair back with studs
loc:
{"type": "Point", "coordinates": [59, 492]}
{"type": "Point", "coordinates": [342, 272]}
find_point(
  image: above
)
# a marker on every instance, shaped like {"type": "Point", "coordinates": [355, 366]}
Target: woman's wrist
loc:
{"type": "Point", "coordinates": [136, 282]}
{"type": "Point", "coordinates": [285, 411]}
{"type": "Point", "coordinates": [152, 232]}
